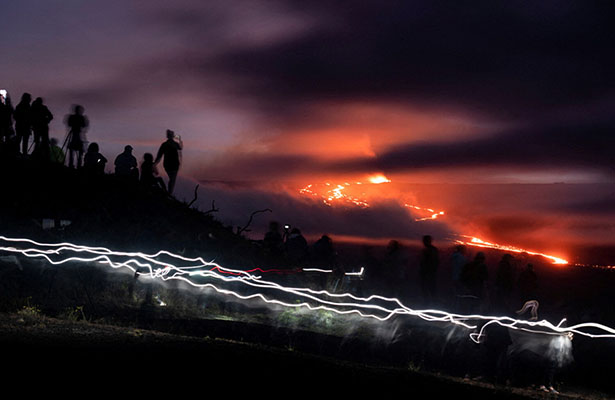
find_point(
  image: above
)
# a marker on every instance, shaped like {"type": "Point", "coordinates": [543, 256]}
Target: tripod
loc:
{"type": "Point", "coordinates": [68, 145]}
{"type": "Point", "coordinates": [67, 139]}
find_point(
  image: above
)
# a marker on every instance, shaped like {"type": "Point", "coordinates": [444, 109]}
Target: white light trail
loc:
{"type": "Point", "coordinates": [191, 270]}
{"type": "Point", "coordinates": [326, 271]}
{"type": "Point", "coordinates": [358, 273]}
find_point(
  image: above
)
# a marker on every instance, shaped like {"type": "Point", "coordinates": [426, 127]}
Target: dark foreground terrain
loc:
{"type": "Point", "coordinates": [80, 330]}
{"type": "Point", "coordinates": [53, 356]}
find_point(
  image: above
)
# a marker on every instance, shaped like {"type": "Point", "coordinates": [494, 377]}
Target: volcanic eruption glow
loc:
{"type": "Point", "coordinates": [476, 242]}
{"type": "Point", "coordinates": [379, 178]}
{"type": "Point", "coordinates": [338, 194]}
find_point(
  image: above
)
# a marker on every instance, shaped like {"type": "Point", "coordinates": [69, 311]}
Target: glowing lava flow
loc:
{"type": "Point", "coordinates": [476, 242]}
{"type": "Point", "coordinates": [331, 195]}
{"type": "Point", "coordinates": [434, 214]}
{"type": "Point", "coordinates": [379, 178]}
{"type": "Point", "coordinates": [243, 285]}
{"type": "Point", "coordinates": [335, 194]}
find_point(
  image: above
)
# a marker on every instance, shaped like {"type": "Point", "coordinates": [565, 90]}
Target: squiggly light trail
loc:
{"type": "Point", "coordinates": [191, 270]}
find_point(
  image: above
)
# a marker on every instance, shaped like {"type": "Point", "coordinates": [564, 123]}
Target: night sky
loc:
{"type": "Point", "coordinates": [514, 100]}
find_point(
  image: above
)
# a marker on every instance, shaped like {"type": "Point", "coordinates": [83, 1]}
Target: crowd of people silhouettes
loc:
{"type": "Point", "coordinates": [474, 287]}
{"type": "Point", "coordinates": [393, 274]}
{"type": "Point", "coordinates": [31, 119]}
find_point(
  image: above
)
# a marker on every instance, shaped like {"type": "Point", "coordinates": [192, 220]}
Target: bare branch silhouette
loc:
{"type": "Point", "coordinates": [213, 208]}
{"type": "Point", "coordinates": [245, 228]}
{"type": "Point", "coordinates": [196, 188]}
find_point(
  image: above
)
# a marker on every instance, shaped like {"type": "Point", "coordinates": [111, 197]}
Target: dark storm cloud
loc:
{"type": "Point", "coordinates": [588, 146]}
{"type": "Point", "coordinates": [510, 59]}
{"type": "Point", "coordinates": [602, 206]}
{"type": "Point", "coordinates": [507, 59]}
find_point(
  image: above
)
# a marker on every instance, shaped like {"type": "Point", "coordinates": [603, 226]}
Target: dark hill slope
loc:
{"type": "Point", "coordinates": [109, 212]}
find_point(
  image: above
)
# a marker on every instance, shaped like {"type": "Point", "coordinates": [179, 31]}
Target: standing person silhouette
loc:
{"type": "Point", "coordinates": [41, 117]}
{"type": "Point", "coordinates": [428, 268]}
{"type": "Point", "coordinates": [23, 121]}
{"type": "Point", "coordinates": [458, 261]}
{"type": "Point", "coordinates": [474, 277]}
{"type": "Point", "coordinates": [171, 151]}
{"type": "Point", "coordinates": [77, 124]}
{"type": "Point", "coordinates": [6, 117]}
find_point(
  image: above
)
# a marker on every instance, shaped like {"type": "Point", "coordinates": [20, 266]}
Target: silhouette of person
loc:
{"type": "Point", "coordinates": [23, 122]}
{"type": "Point", "coordinates": [126, 164]}
{"type": "Point", "coordinates": [273, 242]}
{"type": "Point", "coordinates": [56, 155]}
{"type": "Point", "coordinates": [504, 283]}
{"type": "Point", "coordinates": [527, 284]}
{"type": "Point", "coordinates": [473, 276]}
{"type": "Point", "coordinates": [6, 117]}
{"type": "Point", "coordinates": [428, 267]}
{"type": "Point", "coordinates": [458, 260]}
{"type": "Point", "coordinates": [373, 271]}
{"type": "Point", "coordinates": [323, 253]}
{"type": "Point", "coordinates": [559, 355]}
{"type": "Point", "coordinates": [41, 117]}
{"type": "Point", "coordinates": [149, 175]}
{"type": "Point", "coordinates": [94, 162]}
{"type": "Point", "coordinates": [171, 151]}
{"type": "Point", "coordinates": [296, 248]}
{"type": "Point", "coordinates": [497, 340]}
{"type": "Point", "coordinates": [77, 124]}
{"type": "Point", "coordinates": [394, 271]}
